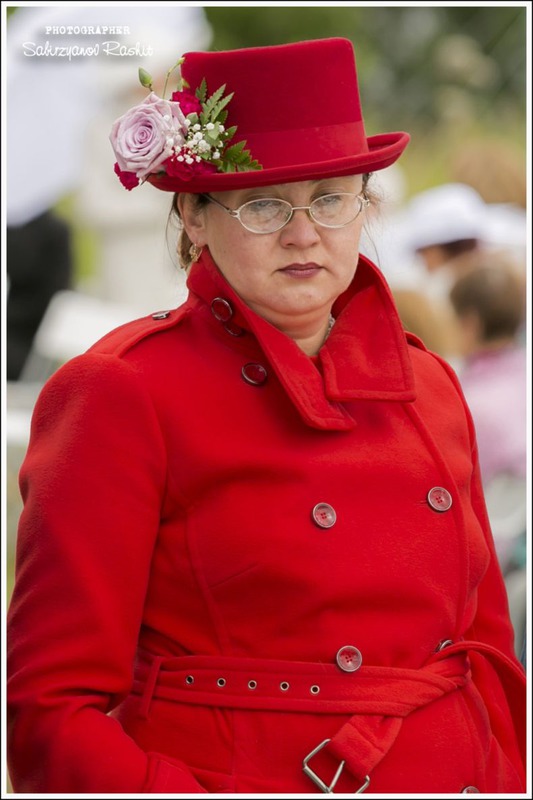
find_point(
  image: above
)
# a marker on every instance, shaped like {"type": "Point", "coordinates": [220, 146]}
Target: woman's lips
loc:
{"type": "Point", "coordinates": [302, 270]}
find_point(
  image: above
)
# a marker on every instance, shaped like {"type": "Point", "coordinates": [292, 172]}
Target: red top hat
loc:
{"type": "Point", "coordinates": [297, 107]}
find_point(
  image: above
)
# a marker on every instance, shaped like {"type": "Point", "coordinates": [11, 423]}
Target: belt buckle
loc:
{"type": "Point", "coordinates": [319, 782]}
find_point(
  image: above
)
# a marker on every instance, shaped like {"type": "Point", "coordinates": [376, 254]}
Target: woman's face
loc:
{"type": "Point", "coordinates": [297, 271]}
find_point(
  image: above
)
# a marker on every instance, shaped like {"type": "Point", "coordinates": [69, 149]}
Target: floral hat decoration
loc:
{"type": "Point", "coordinates": [275, 114]}
{"type": "Point", "coordinates": [183, 137]}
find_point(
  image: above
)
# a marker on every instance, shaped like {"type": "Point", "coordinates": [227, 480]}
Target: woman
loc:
{"type": "Point", "coordinates": [254, 555]}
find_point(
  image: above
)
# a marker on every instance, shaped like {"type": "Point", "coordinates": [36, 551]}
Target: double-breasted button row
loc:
{"type": "Point", "coordinates": [439, 499]}
{"type": "Point", "coordinates": [324, 515]}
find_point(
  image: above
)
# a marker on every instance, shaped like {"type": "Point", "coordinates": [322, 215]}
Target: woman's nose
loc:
{"type": "Point", "coordinates": [301, 230]}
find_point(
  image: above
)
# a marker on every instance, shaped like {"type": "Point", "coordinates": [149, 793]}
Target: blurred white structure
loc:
{"type": "Point", "coordinates": [46, 138]}
{"type": "Point", "coordinates": [58, 144]}
{"type": "Point", "coordinates": [72, 323]}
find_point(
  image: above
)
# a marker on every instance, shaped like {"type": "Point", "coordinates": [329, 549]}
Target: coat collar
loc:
{"type": "Point", "coordinates": [365, 357]}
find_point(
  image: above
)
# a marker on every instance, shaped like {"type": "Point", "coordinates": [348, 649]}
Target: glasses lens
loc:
{"type": "Point", "coordinates": [265, 216]}
{"type": "Point", "coordinates": [335, 210]}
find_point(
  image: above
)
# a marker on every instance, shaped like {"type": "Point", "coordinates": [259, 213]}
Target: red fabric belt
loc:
{"type": "Point", "coordinates": [227, 682]}
{"type": "Point", "coordinates": [379, 698]}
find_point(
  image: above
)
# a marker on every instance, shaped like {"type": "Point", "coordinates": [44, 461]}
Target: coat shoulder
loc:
{"type": "Point", "coordinates": [415, 341]}
{"type": "Point", "coordinates": [421, 355]}
{"type": "Point", "coordinates": [118, 341]}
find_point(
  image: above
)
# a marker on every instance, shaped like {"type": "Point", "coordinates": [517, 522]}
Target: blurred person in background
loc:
{"type": "Point", "coordinates": [489, 302]}
{"type": "Point", "coordinates": [254, 555]}
{"type": "Point", "coordinates": [443, 229]}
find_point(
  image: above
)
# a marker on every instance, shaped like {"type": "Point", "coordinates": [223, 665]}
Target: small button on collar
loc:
{"type": "Point", "coordinates": [161, 315]}
{"type": "Point", "coordinates": [233, 329]}
{"type": "Point", "coordinates": [439, 499]}
{"type": "Point", "coordinates": [221, 309]}
{"type": "Point", "coordinates": [255, 374]}
{"type": "Point", "coordinates": [349, 658]}
{"type": "Point", "coordinates": [324, 515]}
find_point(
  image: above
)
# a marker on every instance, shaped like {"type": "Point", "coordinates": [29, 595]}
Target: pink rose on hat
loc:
{"type": "Point", "coordinates": [184, 137]}
{"type": "Point", "coordinates": [146, 135]}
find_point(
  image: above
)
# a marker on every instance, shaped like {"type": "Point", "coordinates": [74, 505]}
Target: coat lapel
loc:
{"type": "Point", "coordinates": [365, 357]}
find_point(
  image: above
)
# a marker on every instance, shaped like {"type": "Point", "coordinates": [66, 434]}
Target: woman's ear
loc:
{"type": "Point", "coordinates": [193, 218]}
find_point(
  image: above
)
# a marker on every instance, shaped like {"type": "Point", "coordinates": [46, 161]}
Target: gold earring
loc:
{"type": "Point", "coordinates": [195, 252]}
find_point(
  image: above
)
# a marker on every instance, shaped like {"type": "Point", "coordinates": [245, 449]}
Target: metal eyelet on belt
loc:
{"type": "Point", "coordinates": [284, 686]}
{"type": "Point", "coordinates": [189, 680]}
{"type": "Point", "coordinates": [314, 689]}
{"type": "Point", "coordinates": [252, 684]}
{"type": "Point", "coordinates": [221, 682]}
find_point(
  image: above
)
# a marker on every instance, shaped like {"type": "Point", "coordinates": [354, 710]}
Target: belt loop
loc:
{"type": "Point", "coordinates": [149, 686]}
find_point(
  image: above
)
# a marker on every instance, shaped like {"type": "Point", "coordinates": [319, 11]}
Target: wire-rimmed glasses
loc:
{"type": "Point", "coordinates": [270, 214]}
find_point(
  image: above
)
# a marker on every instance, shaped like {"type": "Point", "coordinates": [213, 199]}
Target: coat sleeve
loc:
{"type": "Point", "coordinates": [92, 483]}
{"type": "Point", "coordinates": [504, 690]}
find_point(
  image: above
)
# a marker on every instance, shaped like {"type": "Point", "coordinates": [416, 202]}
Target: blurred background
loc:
{"type": "Point", "coordinates": [83, 256]}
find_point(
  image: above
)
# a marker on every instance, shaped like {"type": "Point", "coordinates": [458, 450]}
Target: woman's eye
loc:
{"type": "Point", "coordinates": [329, 200]}
{"type": "Point", "coordinates": [264, 205]}
{"type": "Point", "coordinates": [266, 208]}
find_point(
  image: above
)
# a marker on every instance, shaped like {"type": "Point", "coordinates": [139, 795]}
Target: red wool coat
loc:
{"type": "Point", "coordinates": [231, 553]}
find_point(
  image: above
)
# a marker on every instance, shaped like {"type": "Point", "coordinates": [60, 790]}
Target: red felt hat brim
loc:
{"type": "Point", "coordinates": [383, 150]}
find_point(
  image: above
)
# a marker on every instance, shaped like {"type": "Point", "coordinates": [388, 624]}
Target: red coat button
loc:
{"type": "Point", "coordinates": [324, 515]}
{"type": "Point", "coordinates": [233, 329]}
{"type": "Point", "coordinates": [221, 309]}
{"type": "Point", "coordinates": [349, 658]}
{"type": "Point", "coordinates": [254, 374]}
{"type": "Point", "coordinates": [439, 499]}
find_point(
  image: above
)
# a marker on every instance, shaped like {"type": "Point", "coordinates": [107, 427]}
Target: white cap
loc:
{"type": "Point", "coordinates": [444, 214]}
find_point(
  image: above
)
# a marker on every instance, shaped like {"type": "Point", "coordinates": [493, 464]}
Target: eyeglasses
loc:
{"type": "Point", "coordinates": [269, 214]}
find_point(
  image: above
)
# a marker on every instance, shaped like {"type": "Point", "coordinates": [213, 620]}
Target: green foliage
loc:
{"type": "Point", "coordinates": [237, 159]}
